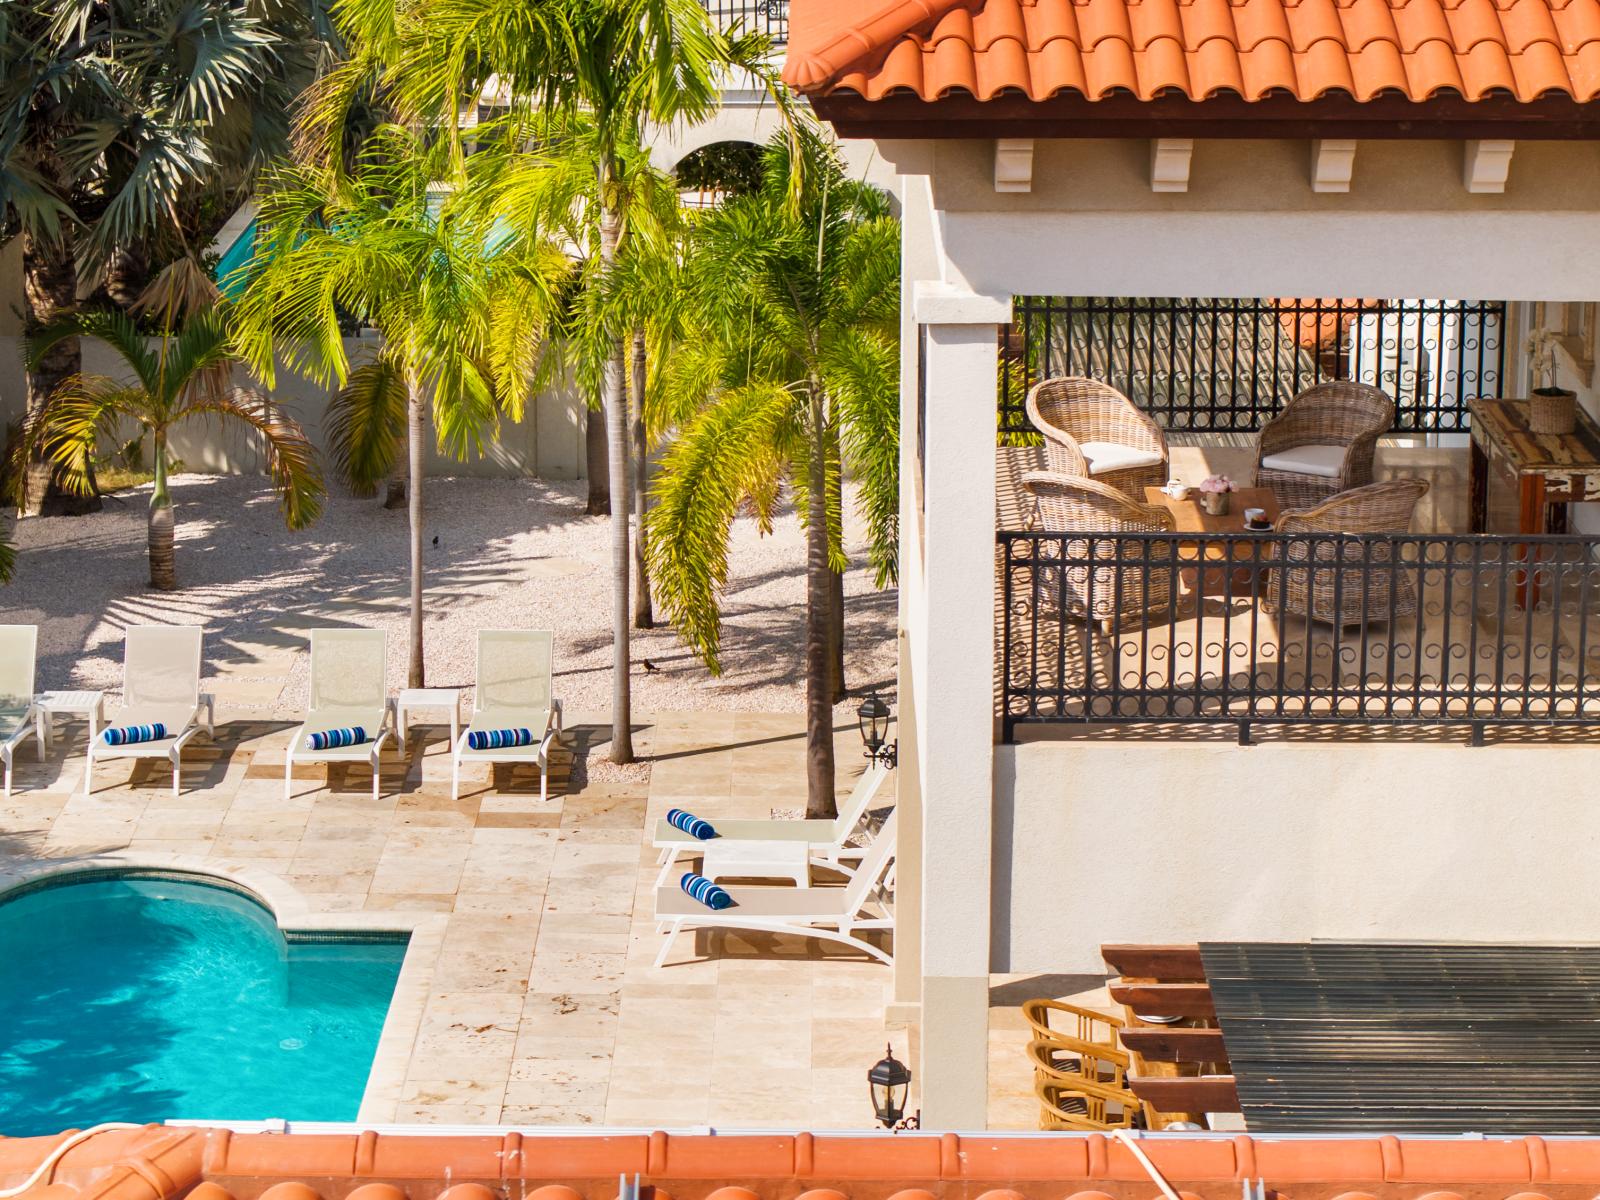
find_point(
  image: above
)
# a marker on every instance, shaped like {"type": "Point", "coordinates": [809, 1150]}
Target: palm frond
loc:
{"type": "Point", "coordinates": [291, 460]}
{"type": "Point", "coordinates": [366, 425]}
{"type": "Point", "coordinates": [68, 427]}
{"type": "Point", "coordinates": [862, 374]}
{"type": "Point", "coordinates": [716, 461]}
{"type": "Point", "coordinates": [116, 329]}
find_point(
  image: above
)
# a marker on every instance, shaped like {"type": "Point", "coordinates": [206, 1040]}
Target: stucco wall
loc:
{"type": "Point", "coordinates": [1250, 225]}
{"type": "Point", "coordinates": [547, 442]}
{"type": "Point", "coordinates": [1134, 841]}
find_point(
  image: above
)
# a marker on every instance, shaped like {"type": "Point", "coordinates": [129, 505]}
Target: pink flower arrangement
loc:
{"type": "Point", "coordinates": [1216, 484]}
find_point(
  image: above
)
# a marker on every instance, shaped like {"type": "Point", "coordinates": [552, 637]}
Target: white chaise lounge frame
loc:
{"type": "Point", "coordinates": [160, 684]}
{"type": "Point", "coordinates": [515, 684]}
{"type": "Point", "coordinates": [834, 914]}
{"type": "Point", "coordinates": [19, 717]}
{"type": "Point", "coordinates": [824, 839]}
{"type": "Point", "coordinates": [348, 687]}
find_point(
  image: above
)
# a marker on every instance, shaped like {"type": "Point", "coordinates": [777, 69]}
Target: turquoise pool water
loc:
{"type": "Point", "coordinates": [144, 999]}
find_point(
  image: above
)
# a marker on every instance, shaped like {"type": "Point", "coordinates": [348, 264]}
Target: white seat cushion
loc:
{"type": "Point", "coordinates": [1326, 462]}
{"type": "Point", "coordinates": [1109, 456]}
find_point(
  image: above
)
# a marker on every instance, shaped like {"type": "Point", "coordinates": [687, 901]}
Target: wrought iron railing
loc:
{"type": "Point", "coordinates": [1306, 628]}
{"type": "Point", "coordinates": [1228, 365]}
{"type": "Point", "coordinates": [770, 17]}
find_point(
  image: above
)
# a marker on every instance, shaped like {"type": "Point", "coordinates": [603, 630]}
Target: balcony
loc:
{"type": "Point", "coordinates": [770, 17]}
{"type": "Point", "coordinates": [1128, 632]}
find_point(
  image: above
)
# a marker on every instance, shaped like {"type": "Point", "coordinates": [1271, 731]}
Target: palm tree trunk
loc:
{"type": "Point", "coordinates": [416, 429]}
{"type": "Point", "coordinates": [597, 464]}
{"type": "Point", "coordinates": [159, 536]}
{"type": "Point", "coordinates": [643, 613]}
{"type": "Point", "coordinates": [836, 680]}
{"type": "Point", "coordinates": [617, 436]}
{"type": "Point", "coordinates": [819, 608]}
{"type": "Point", "coordinates": [50, 283]}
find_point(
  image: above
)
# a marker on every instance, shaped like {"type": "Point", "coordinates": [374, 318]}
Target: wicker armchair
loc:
{"type": "Point", "coordinates": [1051, 1020]}
{"type": "Point", "coordinates": [1376, 585]}
{"type": "Point", "coordinates": [1137, 577]}
{"type": "Point", "coordinates": [1322, 443]}
{"type": "Point", "coordinates": [1095, 431]}
{"type": "Point", "coordinates": [1088, 1091]}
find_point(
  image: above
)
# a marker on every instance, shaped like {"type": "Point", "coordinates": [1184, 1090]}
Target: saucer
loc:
{"type": "Point", "coordinates": [1262, 527]}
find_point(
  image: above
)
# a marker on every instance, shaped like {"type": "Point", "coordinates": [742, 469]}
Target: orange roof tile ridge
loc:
{"type": "Point", "coordinates": [161, 1163]}
{"type": "Point", "coordinates": [861, 38]}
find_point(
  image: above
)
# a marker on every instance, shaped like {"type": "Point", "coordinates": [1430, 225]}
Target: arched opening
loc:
{"type": "Point", "coordinates": [718, 171]}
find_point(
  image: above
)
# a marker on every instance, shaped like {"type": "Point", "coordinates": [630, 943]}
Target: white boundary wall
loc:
{"type": "Point", "coordinates": [1165, 841]}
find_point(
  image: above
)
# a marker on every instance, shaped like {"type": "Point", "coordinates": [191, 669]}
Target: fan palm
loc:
{"type": "Point", "coordinates": [623, 64]}
{"type": "Point", "coordinates": [460, 312]}
{"type": "Point", "coordinates": [128, 128]}
{"type": "Point", "coordinates": [185, 377]}
{"type": "Point", "coordinates": [787, 372]}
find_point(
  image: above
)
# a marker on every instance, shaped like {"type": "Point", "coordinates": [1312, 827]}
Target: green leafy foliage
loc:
{"type": "Point", "coordinates": [123, 121]}
{"type": "Point", "coordinates": [786, 356]}
{"type": "Point", "coordinates": [184, 377]}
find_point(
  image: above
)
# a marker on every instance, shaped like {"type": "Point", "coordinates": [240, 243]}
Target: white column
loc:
{"type": "Point", "coordinates": [954, 655]}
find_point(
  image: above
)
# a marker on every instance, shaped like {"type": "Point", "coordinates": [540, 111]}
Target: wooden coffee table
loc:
{"type": "Point", "coordinates": [1191, 518]}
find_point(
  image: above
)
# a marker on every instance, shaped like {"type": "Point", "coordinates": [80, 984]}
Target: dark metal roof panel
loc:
{"type": "Point", "coordinates": [1396, 1037]}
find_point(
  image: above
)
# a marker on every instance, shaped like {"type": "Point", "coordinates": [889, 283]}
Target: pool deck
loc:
{"type": "Point", "coordinates": [538, 1002]}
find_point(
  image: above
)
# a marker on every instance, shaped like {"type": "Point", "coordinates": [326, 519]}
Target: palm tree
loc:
{"type": "Point", "coordinates": [623, 64]}
{"type": "Point", "coordinates": [542, 199]}
{"type": "Point", "coordinates": [128, 131]}
{"type": "Point", "coordinates": [461, 313]}
{"type": "Point", "coordinates": [787, 372]}
{"type": "Point", "coordinates": [185, 377]}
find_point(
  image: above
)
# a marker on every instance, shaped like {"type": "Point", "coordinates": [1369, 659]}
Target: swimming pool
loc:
{"type": "Point", "coordinates": [142, 999]}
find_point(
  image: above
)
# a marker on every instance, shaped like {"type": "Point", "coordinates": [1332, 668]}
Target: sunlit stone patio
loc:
{"type": "Point", "coordinates": [543, 1007]}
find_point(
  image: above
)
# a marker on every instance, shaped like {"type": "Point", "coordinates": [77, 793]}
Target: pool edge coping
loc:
{"type": "Point", "coordinates": [391, 1058]}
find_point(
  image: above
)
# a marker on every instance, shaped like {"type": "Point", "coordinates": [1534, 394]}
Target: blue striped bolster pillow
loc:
{"type": "Point", "coordinates": [703, 890]}
{"type": "Point", "coordinates": [333, 739]}
{"type": "Point", "coordinates": [692, 825]}
{"type": "Point", "coordinates": [498, 739]}
{"type": "Point", "coordinates": [128, 735]}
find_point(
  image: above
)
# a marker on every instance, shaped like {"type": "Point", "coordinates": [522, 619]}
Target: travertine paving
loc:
{"type": "Point", "coordinates": [543, 1007]}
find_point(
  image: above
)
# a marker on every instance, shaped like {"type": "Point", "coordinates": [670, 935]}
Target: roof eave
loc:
{"type": "Point", "coordinates": [1555, 117]}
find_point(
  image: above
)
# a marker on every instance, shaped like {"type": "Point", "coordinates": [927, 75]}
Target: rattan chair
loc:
{"type": "Point", "coordinates": [1374, 584]}
{"type": "Point", "coordinates": [1138, 576]}
{"type": "Point", "coordinates": [1053, 1019]}
{"type": "Point", "coordinates": [1094, 431]}
{"type": "Point", "coordinates": [1323, 442]}
{"type": "Point", "coordinates": [1086, 1091]}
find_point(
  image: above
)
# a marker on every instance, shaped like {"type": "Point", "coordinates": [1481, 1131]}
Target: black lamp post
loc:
{"type": "Point", "coordinates": [873, 716]}
{"type": "Point", "coordinates": [890, 1082]}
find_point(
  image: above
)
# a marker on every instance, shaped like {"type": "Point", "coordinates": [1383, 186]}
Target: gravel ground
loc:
{"type": "Point", "coordinates": [501, 554]}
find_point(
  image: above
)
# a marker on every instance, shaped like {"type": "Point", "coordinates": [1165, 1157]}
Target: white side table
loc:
{"type": "Point", "coordinates": [89, 705]}
{"type": "Point", "coordinates": [730, 858]}
{"type": "Point", "coordinates": [410, 698]}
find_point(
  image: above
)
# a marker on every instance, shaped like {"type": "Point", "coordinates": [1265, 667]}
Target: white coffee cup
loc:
{"type": "Point", "coordinates": [1255, 516]}
{"type": "Point", "coordinates": [1176, 489]}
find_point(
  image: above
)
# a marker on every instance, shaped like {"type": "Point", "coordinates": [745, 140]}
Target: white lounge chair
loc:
{"type": "Point", "coordinates": [18, 717]}
{"type": "Point", "coordinates": [513, 692]}
{"type": "Point", "coordinates": [825, 839]}
{"type": "Point", "coordinates": [349, 673]}
{"type": "Point", "coordinates": [160, 684]}
{"type": "Point", "coordinates": [835, 914]}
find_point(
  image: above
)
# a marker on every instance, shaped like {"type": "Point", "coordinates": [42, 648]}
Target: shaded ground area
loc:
{"type": "Point", "coordinates": [501, 553]}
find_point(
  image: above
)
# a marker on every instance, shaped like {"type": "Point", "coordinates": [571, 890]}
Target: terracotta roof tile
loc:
{"type": "Point", "coordinates": [1303, 48]}
{"type": "Point", "coordinates": [157, 1163]}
